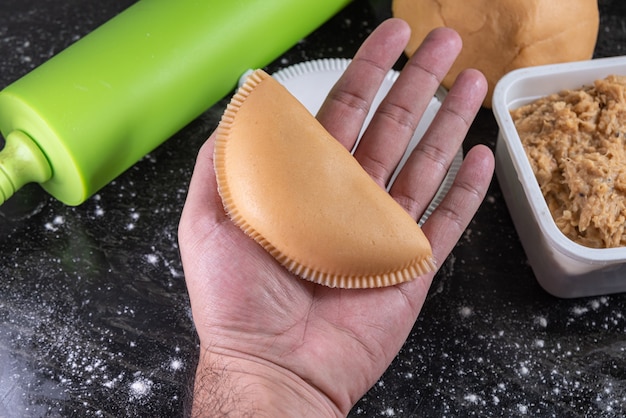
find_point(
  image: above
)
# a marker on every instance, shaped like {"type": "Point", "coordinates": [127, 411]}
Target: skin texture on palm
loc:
{"type": "Point", "coordinates": [273, 343]}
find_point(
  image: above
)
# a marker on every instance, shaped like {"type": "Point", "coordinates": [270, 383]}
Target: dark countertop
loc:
{"type": "Point", "coordinates": [94, 314]}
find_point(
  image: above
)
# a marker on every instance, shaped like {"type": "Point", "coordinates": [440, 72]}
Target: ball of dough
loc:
{"type": "Point", "coordinates": [500, 36]}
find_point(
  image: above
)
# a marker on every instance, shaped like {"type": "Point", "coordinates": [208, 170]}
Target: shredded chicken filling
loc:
{"type": "Point", "coordinates": [576, 143]}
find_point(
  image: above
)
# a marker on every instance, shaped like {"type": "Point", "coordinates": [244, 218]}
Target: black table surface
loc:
{"type": "Point", "coordinates": [95, 317]}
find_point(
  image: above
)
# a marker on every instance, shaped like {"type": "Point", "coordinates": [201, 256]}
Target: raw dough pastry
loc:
{"type": "Point", "coordinates": [503, 35]}
{"type": "Point", "coordinates": [288, 184]}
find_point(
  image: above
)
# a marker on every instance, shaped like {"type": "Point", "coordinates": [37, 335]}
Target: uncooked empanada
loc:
{"type": "Point", "coordinates": [288, 184]}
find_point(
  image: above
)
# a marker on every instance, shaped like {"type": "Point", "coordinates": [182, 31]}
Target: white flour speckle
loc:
{"type": "Point", "coordinates": [389, 412]}
{"type": "Point", "coordinates": [152, 259]}
{"type": "Point", "coordinates": [176, 364]}
{"type": "Point", "coordinates": [579, 310]}
{"type": "Point", "coordinates": [175, 273]}
{"type": "Point", "coordinates": [140, 388]}
{"type": "Point", "coordinates": [524, 370]}
{"type": "Point", "coordinates": [472, 398]}
{"type": "Point", "coordinates": [466, 311]}
{"type": "Point", "coordinates": [55, 224]}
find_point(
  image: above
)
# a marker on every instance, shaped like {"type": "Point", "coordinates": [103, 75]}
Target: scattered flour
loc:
{"type": "Point", "coordinates": [176, 364]}
{"type": "Point", "coordinates": [152, 259]}
{"type": "Point", "coordinates": [389, 412]}
{"type": "Point", "coordinates": [140, 388]}
{"type": "Point", "coordinates": [523, 370]}
{"type": "Point", "coordinates": [472, 398]}
{"type": "Point", "coordinates": [541, 367]}
{"type": "Point", "coordinates": [55, 224]}
{"type": "Point", "coordinates": [466, 311]}
{"type": "Point", "coordinates": [134, 216]}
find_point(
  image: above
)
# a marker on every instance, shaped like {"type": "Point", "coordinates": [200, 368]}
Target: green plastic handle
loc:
{"type": "Point", "coordinates": [103, 103]}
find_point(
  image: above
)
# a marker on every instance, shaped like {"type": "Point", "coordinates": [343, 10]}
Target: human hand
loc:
{"type": "Point", "coordinates": [274, 344]}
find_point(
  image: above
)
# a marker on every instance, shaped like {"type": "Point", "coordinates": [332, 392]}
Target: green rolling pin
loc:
{"type": "Point", "coordinates": [89, 113]}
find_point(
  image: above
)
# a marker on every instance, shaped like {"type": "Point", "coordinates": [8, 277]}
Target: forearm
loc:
{"type": "Point", "coordinates": [235, 387]}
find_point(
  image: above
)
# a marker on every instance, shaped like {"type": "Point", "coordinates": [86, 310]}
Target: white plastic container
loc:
{"type": "Point", "coordinates": [562, 267]}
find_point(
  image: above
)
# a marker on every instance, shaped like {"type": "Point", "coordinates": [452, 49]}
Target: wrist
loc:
{"type": "Point", "coordinates": [241, 387]}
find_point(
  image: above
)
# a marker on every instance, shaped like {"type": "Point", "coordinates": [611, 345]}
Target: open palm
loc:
{"type": "Point", "coordinates": [284, 338]}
